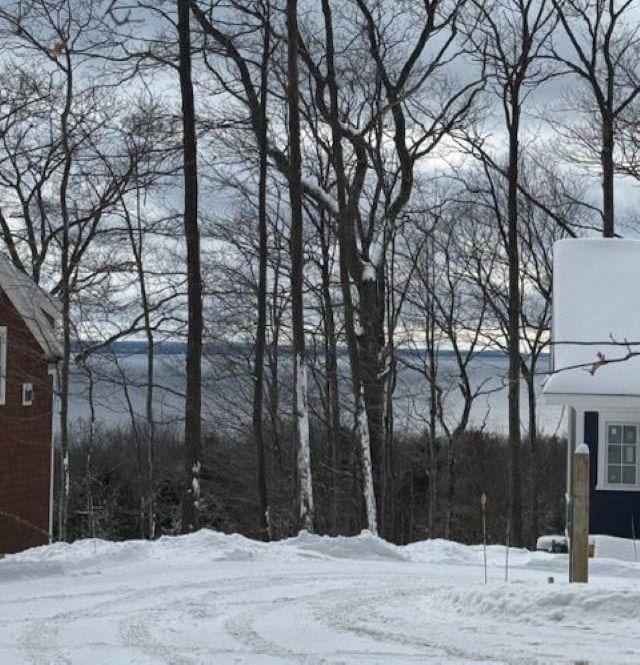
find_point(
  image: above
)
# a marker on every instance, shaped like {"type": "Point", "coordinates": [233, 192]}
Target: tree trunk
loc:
{"type": "Point", "coordinates": [193, 402]}
{"type": "Point", "coordinates": [389, 381]}
{"type": "Point", "coordinates": [63, 506]}
{"type": "Point", "coordinates": [332, 395]}
{"type": "Point", "coordinates": [137, 444]}
{"type": "Point", "coordinates": [432, 379]}
{"type": "Point", "coordinates": [390, 500]}
{"type": "Point", "coordinates": [89, 465]}
{"type": "Point", "coordinates": [608, 220]}
{"type": "Point", "coordinates": [274, 376]}
{"type": "Point", "coordinates": [513, 332]}
{"type": "Point", "coordinates": [451, 484]}
{"type": "Point", "coordinates": [261, 328]}
{"type": "Point", "coordinates": [349, 266]}
{"type": "Point", "coordinates": [296, 248]}
{"type": "Point", "coordinates": [151, 504]}
{"type": "Point", "coordinates": [533, 465]}
{"type": "Point", "coordinates": [136, 238]}
{"type": "Point", "coordinates": [370, 344]}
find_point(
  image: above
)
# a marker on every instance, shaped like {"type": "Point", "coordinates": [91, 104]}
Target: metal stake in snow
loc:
{"type": "Point", "coordinates": [483, 504]}
{"type": "Point", "coordinates": [579, 543]}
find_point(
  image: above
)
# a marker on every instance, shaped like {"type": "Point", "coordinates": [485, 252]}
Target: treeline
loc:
{"type": "Point", "coordinates": [317, 175]}
{"type": "Point", "coordinates": [107, 496]}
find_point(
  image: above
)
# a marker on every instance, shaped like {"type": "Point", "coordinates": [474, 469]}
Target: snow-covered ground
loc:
{"type": "Point", "coordinates": [214, 599]}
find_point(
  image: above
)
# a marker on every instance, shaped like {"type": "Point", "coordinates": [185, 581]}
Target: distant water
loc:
{"type": "Point", "coordinates": [227, 392]}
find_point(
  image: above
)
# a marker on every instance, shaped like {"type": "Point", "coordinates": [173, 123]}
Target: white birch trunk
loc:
{"type": "Point", "coordinates": [195, 484]}
{"type": "Point", "coordinates": [362, 434]}
{"type": "Point", "coordinates": [304, 453]}
{"type": "Point", "coordinates": [65, 476]}
{"type": "Point", "coordinates": [364, 441]}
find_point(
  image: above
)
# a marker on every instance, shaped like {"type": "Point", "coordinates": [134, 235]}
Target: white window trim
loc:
{"type": "Point", "coordinates": [27, 387]}
{"type": "Point", "coordinates": [626, 417]}
{"type": "Point", "coordinates": [3, 365]}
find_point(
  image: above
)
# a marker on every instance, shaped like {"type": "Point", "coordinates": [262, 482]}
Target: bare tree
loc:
{"type": "Point", "coordinates": [65, 164]}
{"type": "Point", "coordinates": [300, 398]}
{"type": "Point", "coordinates": [261, 328]}
{"type": "Point", "coordinates": [511, 36]}
{"type": "Point", "coordinates": [346, 243]}
{"type": "Point", "coordinates": [453, 313]}
{"type": "Point", "coordinates": [605, 57]}
{"type": "Point", "coordinates": [193, 402]}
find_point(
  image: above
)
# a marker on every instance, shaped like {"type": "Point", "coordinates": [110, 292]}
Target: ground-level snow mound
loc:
{"type": "Point", "coordinates": [366, 546]}
{"type": "Point", "coordinates": [89, 550]}
{"type": "Point", "coordinates": [207, 545]}
{"type": "Point", "coordinates": [571, 604]}
{"type": "Point", "coordinates": [608, 547]}
{"type": "Point", "coordinates": [443, 551]}
{"type": "Point", "coordinates": [439, 551]}
{"type": "Point", "coordinates": [203, 546]}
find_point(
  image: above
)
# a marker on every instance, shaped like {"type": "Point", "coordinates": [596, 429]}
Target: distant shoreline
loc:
{"type": "Point", "coordinates": [173, 348]}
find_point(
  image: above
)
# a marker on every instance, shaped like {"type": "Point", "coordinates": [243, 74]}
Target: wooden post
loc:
{"type": "Point", "coordinates": [579, 553]}
{"type": "Point", "coordinates": [571, 448]}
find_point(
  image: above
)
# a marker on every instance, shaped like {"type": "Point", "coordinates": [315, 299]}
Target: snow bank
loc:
{"type": "Point", "coordinates": [448, 552]}
{"type": "Point", "coordinates": [615, 555]}
{"type": "Point", "coordinates": [366, 546]}
{"type": "Point", "coordinates": [203, 546]}
{"type": "Point", "coordinates": [208, 545]}
{"type": "Point", "coordinates": [571, 604]}
{"type": "Point", "coordinates": [81, 551]}
{"type": "Point", "coordinates": [548, 543]}
{"type": "Point", "coordinates": [444, 551]}
{"type": "Point", "coordinates": [608, 547]}
{"type": "Point", "coordinates": [59, 558]}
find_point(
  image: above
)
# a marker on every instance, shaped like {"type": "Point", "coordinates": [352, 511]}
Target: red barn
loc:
{"type": "Point", "coordinates": [29, 351]}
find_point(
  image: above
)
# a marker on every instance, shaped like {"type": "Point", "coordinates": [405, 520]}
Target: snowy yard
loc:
{"type": "Point", "coordinates": [210, 598]}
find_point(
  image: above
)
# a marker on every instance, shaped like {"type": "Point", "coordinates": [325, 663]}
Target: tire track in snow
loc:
{"type": "Point", "coordinates": [39, 641]}
{"type": "Point", "coordinates": [136, 634]}
{"type": "Point", "coordinates": [138, 631]}
{"type": "Point", "coordinates": [233, 606]}
{"type": "Point", "coordinates": [348, 617]}
{"type": "Point", "coordinates": [39, 644]}
{"type": "Point", "coordinates": [242, 626]}
{"type": "Point", "coordinates": [340, 609]}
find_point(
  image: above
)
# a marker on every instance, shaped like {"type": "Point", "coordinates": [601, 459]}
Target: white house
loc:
{"type": "Point", "coordinates": [595, 372]}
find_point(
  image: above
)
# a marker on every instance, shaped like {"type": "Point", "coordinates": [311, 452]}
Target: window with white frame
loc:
{"type": "Point", "coordinates": [27, 394]}
{"type": "Point", "coordinates": [622, 453]}
{"type": "Point", "coordinates": [3, 364]}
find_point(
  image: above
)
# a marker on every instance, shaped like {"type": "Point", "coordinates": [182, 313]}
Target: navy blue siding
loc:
{"type": "Point", "coordinates": [610, 511]}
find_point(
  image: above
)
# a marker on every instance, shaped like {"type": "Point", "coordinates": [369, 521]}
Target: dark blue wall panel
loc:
{"type": "Point", "coordinates": [610, 511]}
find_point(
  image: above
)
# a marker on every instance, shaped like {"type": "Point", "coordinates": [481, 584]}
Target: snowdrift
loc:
{"type": "Point", "coordinates": [207, 545]}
